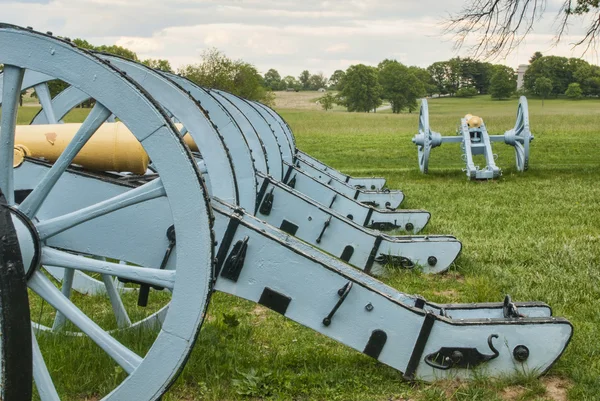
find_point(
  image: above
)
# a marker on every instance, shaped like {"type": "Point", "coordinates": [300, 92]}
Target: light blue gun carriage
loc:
{"type": "Point", "coordinates": [473, 136]}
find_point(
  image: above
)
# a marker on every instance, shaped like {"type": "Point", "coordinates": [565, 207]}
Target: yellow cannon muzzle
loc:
{"type": "Point", "coordinates": [112, 147]}
{"type": "Point", "coordinates": [473, 121]}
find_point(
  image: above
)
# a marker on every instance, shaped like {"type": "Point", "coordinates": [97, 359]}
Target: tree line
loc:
{"type": "Point", "coordinates": [364, 88]}
{"type": "Point", "coordinates": [556, 76]}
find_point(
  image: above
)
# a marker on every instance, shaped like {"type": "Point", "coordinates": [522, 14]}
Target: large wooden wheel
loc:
{"type": "Point", "coordinates": [90, 238]}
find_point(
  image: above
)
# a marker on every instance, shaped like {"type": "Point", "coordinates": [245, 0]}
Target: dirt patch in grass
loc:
{"type": "Point", "coordinates": [512, 393]}
{"type": "Point", "coordinates": [454, 276]}
{"type": "Point", "coordinates": [259, 314]}
{"type": "Point", "coordinates": [557, 388]}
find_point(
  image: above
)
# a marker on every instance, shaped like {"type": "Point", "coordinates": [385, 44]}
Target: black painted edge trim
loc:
{"type": "Point", "coordinates": [417, 353]}
{"type": "Point", "coordinates": [287, 174]}
{"type": "Point", "coordinates": [261, 193]}
{"type": "Point", "coordinates": [368, 218]}
{"type": "Point", "coordinates": [373, 254]}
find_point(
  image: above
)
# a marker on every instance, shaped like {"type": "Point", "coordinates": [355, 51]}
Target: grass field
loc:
{"type": "Point", "coordinates": [535, 236]}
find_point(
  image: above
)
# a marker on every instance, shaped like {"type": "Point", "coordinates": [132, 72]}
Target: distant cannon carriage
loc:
{"type": "Point", "coordinates": [473, 136]}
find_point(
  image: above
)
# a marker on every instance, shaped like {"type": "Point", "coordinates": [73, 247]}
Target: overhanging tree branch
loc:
{"type": "Point", "coordinates": [499, 26]}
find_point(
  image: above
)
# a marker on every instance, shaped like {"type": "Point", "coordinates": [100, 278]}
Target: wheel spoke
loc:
{"type": "Point", "coordinates": [67, 285]}
{"type": "Point", "coordinates": [122, 355]}
{"type": "Point", "coordinates": [121, 315]}
{"type": "Point", "coordinates": [41, 376]}
{"type": "Point", "coordinates": [54, 226]}
{"type": "Point", "coordinates": [94, 120]}
{"type": "Point", "coordinates": [11, 90]}
{"type": "Point", "coordinates": [43, 94]}
{"type": "Point", "coordinates": [150, 276]}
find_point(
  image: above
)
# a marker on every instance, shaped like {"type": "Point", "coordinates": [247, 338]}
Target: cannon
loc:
{"type": "Point", "coordinates": [337, 224]}
{"type": "Point", "coordinates": [473, 136]}
{"type": "Point", "coordinates": [171, 231]}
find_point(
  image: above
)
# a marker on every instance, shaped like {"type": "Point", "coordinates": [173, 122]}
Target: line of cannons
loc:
{"type": "Point", "coordinates": [172, 191]}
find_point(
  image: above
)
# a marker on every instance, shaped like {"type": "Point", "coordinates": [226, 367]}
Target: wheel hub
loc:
{"type": "Point", "coordinates": [29, 242]}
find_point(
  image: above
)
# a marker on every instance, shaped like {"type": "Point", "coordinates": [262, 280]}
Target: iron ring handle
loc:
{"type": "Point", "coordinates": [343, 293]}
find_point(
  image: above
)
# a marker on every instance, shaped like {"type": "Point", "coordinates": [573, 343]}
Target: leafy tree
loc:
{"type": "Point", "coordinates": [543, 87]}
{"type": "Point", "coordinates": [336, 78]}
{"type": "Point", "coordinates": [158, 64]}
{"type": "Point", "coordinates": [536, 55]}
{"type": "Point", "coordinates": [400, 86]}
{"type": "Point", "coordinates": [361, 89]}
{"type": "Point", "coordinates": [454, 75]}
{"type": "Point", "coordinates": [220, 72]}
{"type": "Point", "coordinates": [317, 81]}
{"type": "Point", "coordinates": [588, 77]}
{"type": "Point", "coordinates": [558, 69]}
{"type": "Point", "coordinates": [272, 79]}
{"type": "Point", "coordinates": [291, 82]}
{"type": "Point", "coordinates": [574, 91]}
{"type": "Point", "coordinates": [304, 78]}
{"type": "Point", "coordinates": [84, 44]}
{"type": "Point", "coordinates": [425, 77]}
{"type": "Point", "coordinates": [503, 83]}
{"type": "Point", "coordinates": [446, 75]}
{"type": "Point", "coordinates": [467, 91]}
{"type": "Point", "coordinates": [327, 101]}
{"type": "Point", "coordinates": [438, 72]}
{"type": "Point", "coordinates": [118, 51]}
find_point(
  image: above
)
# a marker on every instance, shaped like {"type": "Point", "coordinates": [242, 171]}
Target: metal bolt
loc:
{"type": "Point", "coordinates": [432, 261]}
{"type": "Point", "coordinates": [521, 353]}
{"type": "Point", "coordinates": [350, 217]}
{"type": "Point", "coordinates": [456, 357]}
{"type": "Point", "coordinates": [409, 227]}
{"type": "Point", "coordinates": [369, 307]}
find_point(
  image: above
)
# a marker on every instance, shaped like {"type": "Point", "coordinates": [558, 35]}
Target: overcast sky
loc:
{"type": "Point", "coordinates": [289, 36]}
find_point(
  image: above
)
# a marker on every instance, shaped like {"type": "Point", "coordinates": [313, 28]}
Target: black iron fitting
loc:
{"type": "Point", "coordinates": [332, 201]}
{"type": "Point", "coordinates": [461, 357]}
{"type": "Point", "coordinates": [510, 310]}
{"type": "Point", "coordinates": [343, 293]}
{"type": "Point", "coordinates": [325, 225]}
{"type": "Point", "coordinates": [384, 225]}
{"type": "Point", "coordinates": [267, 203]}
{"type": "Point", "coordinates": [235, 261]}
{"type": "Point", "coordinates": [368, 203]}
{"type": "Point", "coordinates": [399, 262]}
{"type": "Point", "coordinates": [292, 183]}
{"type": "Point", "coordinates": [145, 288]}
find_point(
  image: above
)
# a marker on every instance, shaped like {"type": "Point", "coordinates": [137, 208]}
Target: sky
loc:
{"type": "Point", "coordinates": [290, 36]}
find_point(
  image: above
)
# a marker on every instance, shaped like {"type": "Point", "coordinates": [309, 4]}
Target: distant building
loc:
{"type": "Point", "coordinates": [521, 74]}
{"type": "Point", "coordinates": [322, 90]}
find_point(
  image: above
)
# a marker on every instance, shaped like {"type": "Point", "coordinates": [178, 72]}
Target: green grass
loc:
{"type": "Point", "coordinates": [535, 236]}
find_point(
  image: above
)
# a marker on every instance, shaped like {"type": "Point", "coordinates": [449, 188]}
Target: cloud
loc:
{"type": "Point", "coordinates": [337, 48]}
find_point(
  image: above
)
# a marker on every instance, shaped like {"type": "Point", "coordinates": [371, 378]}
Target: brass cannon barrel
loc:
{"type": "Point", "coordinates": [112, 147]}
